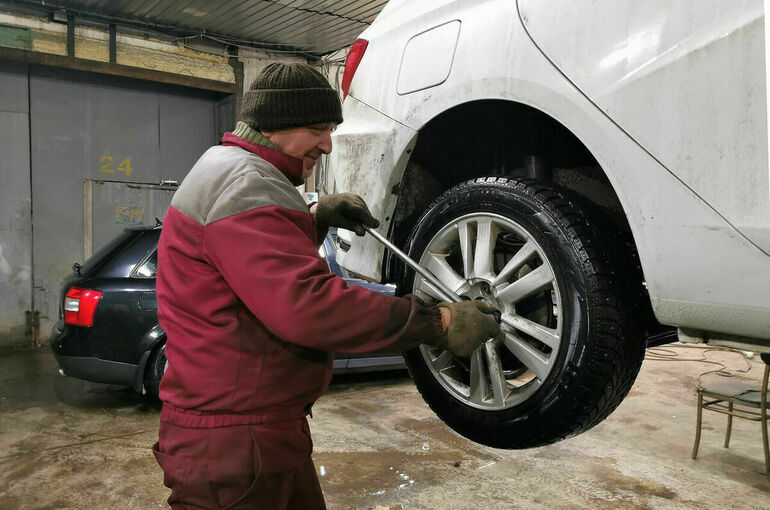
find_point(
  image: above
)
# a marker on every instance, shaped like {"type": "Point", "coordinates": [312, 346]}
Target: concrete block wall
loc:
{"type": "Point", "coordinates": [41, 35]}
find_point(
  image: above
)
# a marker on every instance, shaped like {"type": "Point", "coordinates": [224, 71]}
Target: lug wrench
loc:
{"type": "Point", "coordinates": [435, 282]}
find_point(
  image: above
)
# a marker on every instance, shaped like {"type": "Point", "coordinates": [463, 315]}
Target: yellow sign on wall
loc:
{"type": "Point", "coordinates": [106, 167]}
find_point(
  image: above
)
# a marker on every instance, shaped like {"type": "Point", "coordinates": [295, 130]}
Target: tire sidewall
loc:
{"type": "Point", "coordinates": [155, 369]}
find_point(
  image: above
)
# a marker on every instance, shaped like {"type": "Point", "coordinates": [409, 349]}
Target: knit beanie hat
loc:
{"type": "Point", "coordinates": [290, 95]}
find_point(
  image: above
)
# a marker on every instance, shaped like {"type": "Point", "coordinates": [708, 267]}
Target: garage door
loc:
{"type": "Point", "coordinates": [124, 205]}
{"type": "Point", "coordinates": [86, 127]}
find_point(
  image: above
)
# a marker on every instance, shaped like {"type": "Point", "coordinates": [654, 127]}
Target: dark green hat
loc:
{"type": "Point", "coordinates": [290, 95]}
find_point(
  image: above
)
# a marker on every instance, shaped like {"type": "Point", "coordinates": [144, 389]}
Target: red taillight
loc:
{"type": "Point", "coordinates": [355, 55]}
{"type": "Point", "coordinates": [80, 306]}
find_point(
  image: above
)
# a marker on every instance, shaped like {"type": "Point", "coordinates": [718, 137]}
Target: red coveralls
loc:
{"type": "Point", "coordinates": [252, 316]}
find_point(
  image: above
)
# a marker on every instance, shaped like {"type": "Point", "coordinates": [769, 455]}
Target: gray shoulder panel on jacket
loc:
{"type": "Point", "coordinates": [229, 180]}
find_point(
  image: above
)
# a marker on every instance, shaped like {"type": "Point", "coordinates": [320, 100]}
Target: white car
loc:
{"type": "Point", "coordinates": [596, 170]}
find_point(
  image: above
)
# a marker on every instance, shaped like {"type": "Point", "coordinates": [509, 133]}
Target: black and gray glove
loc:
{"type": "Point", "coordinates": [471, 323]}
{"type": "Point", "coordinates": [344, 210]}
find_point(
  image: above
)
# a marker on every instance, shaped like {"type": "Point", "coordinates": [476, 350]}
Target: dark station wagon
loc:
{"type": "Point", "coordinates": [108, 327]}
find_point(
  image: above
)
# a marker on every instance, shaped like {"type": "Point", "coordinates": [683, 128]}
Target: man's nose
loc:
{"type": "Point", "coordinates": [325, 145]}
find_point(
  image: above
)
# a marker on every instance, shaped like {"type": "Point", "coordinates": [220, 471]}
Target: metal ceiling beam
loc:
{"type": "Point", "coordinates": [305, 27]}
{"type": "Point", "coordinates": [169, 29]}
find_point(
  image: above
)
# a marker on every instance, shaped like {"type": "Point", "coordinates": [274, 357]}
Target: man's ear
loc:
{"type": "Point", "coordinates": [268, 134]}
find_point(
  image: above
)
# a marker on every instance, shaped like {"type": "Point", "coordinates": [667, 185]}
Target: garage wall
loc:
{"type": "Point", "coordinates": [60, 128]}
{"type": "Point", "coordinates": [96, 127]}
{"type": "Point", "coordinates": [15, 225]}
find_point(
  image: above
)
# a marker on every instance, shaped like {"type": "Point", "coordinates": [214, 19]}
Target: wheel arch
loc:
{"type": "Point", "coordinates": [147, 345]}
{"type": "Point", "coordinates": [473, 139]}
{"type": "Point", "coordinates": [499, 137]}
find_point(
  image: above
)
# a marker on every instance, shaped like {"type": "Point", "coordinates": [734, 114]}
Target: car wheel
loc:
{"type": "Point", "coordinates": [571, 342]}
{"type": "Point", "coordinates": [156, 367]}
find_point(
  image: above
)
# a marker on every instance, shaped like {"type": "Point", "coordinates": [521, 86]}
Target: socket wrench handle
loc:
{"type": "Point", "coordinates": [448, 294]}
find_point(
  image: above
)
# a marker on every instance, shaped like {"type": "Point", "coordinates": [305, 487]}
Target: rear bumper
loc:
{"type": "Point", "coordinates": [71, 353]}
{"type": "Point", "coordinates": [97, 370]}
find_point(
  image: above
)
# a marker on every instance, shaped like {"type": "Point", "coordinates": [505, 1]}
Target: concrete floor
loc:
{"type": "Point", "coordinates": [70, 444]}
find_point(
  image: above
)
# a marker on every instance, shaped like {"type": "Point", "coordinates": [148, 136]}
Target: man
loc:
{"type": "Point", "coordinates": [252, 314]}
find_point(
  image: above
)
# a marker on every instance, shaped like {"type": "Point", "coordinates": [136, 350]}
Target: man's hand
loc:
{"type": "Point", "coordinates": [471, 323]}
{"type": "Point", "coordinates": [344, 210]}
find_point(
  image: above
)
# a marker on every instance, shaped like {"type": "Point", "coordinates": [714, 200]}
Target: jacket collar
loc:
{"type": "Point", "coordinates": [247, 138]}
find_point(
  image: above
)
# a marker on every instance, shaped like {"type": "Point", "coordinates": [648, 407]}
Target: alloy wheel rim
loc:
{"type": "Point", "coordinates": [486, 256]}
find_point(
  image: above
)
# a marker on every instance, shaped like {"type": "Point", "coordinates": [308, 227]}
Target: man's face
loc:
{"type": "Point", "coordinates": [305, 142]}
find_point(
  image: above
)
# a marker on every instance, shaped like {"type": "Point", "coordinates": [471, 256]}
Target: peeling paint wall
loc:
{"type": "Point", "coordinates": [39, 34]}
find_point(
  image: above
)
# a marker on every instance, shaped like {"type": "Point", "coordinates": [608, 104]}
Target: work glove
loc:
{"type": "Point", "coordinates": [471, 323]}
{"type": "Point", "coordinates": [344, 210]}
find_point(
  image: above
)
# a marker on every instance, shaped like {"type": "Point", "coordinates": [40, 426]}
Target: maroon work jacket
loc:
{"type": "Point", "coordinates": [251, 312]}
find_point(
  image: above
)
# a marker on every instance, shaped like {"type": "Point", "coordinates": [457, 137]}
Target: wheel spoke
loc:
{"type": "Point", "coordinates": [441, 269]}
{"type": "Point", "coordinates": [548, 336]}
{"type": "Point", "coordinates": [478, 377]}
{"type": "Point", "coordinates": [531, 358]}
{"type": "Point", "coordinates": [432, 291]}
{"type": "Point", "coordinates": [516, 262]}
{"type": "Point", "coordinates": [443, 361]}
{"type": "Point", "coordinates": [466, 259]}
{"type": "Point", "coordinates": [466, 249]}
{"type": "Point", "coordinates": [483, 257]}
{"type": "Point", "coordinates": [496, 377]}
{"type": "Point", "coordinates": [529, 284]}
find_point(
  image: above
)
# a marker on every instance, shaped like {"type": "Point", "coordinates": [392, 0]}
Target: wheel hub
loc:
{"type": "Point", "coordinates": [482, 291]}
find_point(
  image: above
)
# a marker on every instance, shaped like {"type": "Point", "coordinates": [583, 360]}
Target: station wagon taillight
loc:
{"type": "Point", "coordinates": [355, 55]}
{"type": "Point", "coordinates": [80, 306]}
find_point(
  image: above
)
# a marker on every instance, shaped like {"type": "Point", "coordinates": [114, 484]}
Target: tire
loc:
{"type": "Point", "coordinates": [156, 367]}
{"type": "Point", "coordinates": [572, 340]}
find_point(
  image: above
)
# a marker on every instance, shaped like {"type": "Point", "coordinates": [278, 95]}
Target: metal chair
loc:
{"type": "Point", "coordinates": [736, 399]}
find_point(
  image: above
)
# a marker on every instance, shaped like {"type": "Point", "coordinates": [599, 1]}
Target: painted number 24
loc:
{"type": "Point", "coordinates": [106, 165]}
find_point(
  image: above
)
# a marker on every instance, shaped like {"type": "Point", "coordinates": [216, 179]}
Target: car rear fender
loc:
{"type": "Point", "coordinates": [369, 159]}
